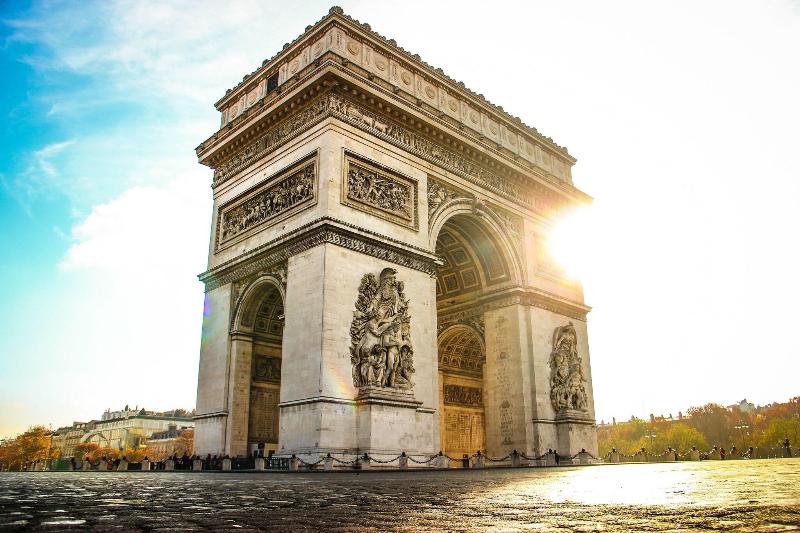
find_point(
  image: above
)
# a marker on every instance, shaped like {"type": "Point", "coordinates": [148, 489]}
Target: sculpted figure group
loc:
{"type": "Point", "coordinates": [381, 351]}
{"type": "Point", "coordinates": [567, 390]}
{"type": "Point", "coordinates": [371, 188]}
{"type": "Point", "coordinates": [276, 199]}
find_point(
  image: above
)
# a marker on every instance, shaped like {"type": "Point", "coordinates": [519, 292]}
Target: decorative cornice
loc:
{"type": "Point", "coordinates": [521, 191]}
{"type": "Point", "coordinates": [320, 231]}
{"type": "Point", "coordinates": [300, 54]}
{"type": "Point", "coordinates": [528, 296]}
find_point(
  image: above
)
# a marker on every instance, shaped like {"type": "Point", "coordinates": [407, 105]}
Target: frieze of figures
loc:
{"type": "Point", "coordinates": [462, 395]}
{"type": "Point", "coordinates": [291, 190]}
{"type": "Point", "coordinates": [380, 191]}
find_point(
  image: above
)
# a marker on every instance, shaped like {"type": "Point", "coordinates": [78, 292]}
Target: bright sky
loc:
{"type": "Point", "coordinates": [683, 116]}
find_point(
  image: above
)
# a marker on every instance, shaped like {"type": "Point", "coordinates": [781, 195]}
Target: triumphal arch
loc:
{"type": "Point", "coordinates": [377, 281]}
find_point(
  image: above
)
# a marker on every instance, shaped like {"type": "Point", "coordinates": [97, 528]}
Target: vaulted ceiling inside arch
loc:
{"type": "Point", "coordinates": [460, 349]}
{"type": "Point", "coordinates": [472, 261]}
{"type": "Point", "coordinates": [269, 317]}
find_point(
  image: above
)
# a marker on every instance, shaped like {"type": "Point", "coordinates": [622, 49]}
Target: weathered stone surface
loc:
{"type": "Point", "coordinates": [738, 496]}
{"type": "Point", "coordinates": [354, 231]}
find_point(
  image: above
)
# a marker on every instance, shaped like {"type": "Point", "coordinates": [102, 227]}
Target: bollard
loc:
{"type": "Point", "coordinates": [86, 466]}
{"type": "Point", "coordinates": [613, 457]}
{"type": "Point", "coordinates": [169, 464]}
{"type": "Point", "coordinates": [259, 463]}
{"type": "Point", "coordinates": [146, 465]}
{"type": "Point", "coordinates": [365, 462]}
{"type": "Point", "coordinates": [479, 460]}
{"type": "Point", "coordinates": [227, 464]}
{"type": "Point", "coordinates": [583, 457]}
{"type": "Point", "coordinates": [403, 461]}
{"type": "Point", "coordinates": [550, 458]}
{"type": "Point", "coordinates": [515, 459]}
{"type": "Point", "coordinates": [197, 464]}
{"type": "Point", "coordinates": [328, 463]}
{"type": "Point", "coordinates": [442, 461]}
{"type": "Point", "coordinates": [294, 463]}
{"type": "Point", "coordinates": [123, 465]}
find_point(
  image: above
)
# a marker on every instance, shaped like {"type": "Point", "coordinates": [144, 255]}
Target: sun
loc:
{"type": "Point", "coordinates": [568, 242]}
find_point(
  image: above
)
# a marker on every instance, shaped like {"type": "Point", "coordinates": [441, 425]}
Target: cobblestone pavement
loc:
{"type": "Point", "coordinates": [727, 496]}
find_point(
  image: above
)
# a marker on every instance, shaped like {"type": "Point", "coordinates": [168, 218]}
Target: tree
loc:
{"type": "Point", "coordinates": [10, 455]}
{"type": "Point", "coordinates": [779, 430]}
{"type": "Point", "coordinates": [34, 444]}
{"type": "Point", "coordinates": [677, 436]}
{"type": "Point", "coordinates": [86, 449]}
{"type": "Point", "coordinates": [624, 437]}
{"type": "Point", "coordinates": [713, 421]}
{"type": "Point", "coordinates": [135, 455]}
{"type": "Point", "coordinates": [106, 453]}
{"type": "Point", "coordinates": [185, 443]}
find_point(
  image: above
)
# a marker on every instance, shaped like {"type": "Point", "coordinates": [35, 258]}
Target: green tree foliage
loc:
{"type": "Point", "coordinates": [779, 430]}
{"type": "Point", "coordinates": [765, 429]}
{"type": "Point", "coordinates": [713, 421]}
{"type": "Point", "coordinates": [677, 436]}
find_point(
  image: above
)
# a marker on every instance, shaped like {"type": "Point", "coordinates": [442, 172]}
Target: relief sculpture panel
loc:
{"type": "Point", "coordinates": [567, 390]}
{"type": "Point", "coordinates": [380, 350]}
{"type": "Point", "coordinates": [462, 395]}
{"type": "Point", "coordinates": [266, 369]}
{"type": "Point", "coordinates": [273, 200]}
{"type": "Point", "coordinates": [382, 192]}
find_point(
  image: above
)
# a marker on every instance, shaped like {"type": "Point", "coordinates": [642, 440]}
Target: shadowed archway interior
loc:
{"type": "Point", "coordinates": [265, 382]}
{"type": "Point", "coordinates": [473, 264]}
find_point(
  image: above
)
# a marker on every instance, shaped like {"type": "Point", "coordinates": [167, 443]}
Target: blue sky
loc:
{"type": "Point", "coordinates": [683, 117]}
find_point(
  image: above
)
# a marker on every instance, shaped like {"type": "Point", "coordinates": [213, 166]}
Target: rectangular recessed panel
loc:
{"type": "Point", "coordinates": [274, 199]}
{"type": "Point", "coordinates": [371, 187]}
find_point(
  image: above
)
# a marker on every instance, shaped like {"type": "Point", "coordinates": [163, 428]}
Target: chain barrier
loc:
{"type": "Point", "coordinates": [432, 457]}
{"type": "Point", "coordinates": [354, 461]}
{"type": "Point", "coordinates": [384, 462]}
{"type": "Point", "coordinates": [310, 464]}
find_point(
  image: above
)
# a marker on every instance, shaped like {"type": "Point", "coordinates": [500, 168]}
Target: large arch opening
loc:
{"type": "Point", "coordinates": [259, 326]}
{"type": "Point", "coordinates": [476, 262]}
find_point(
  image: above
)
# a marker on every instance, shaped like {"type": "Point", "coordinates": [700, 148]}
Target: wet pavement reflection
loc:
{"type": "Point", "coordinates": [761, 495]}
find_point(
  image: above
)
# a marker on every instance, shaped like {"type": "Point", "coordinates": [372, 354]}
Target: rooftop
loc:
{"type": "Point", "coordinates": [337, 12]}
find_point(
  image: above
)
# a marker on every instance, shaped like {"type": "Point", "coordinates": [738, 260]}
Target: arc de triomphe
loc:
{"type": "Point", "coordinates": [377, 281]}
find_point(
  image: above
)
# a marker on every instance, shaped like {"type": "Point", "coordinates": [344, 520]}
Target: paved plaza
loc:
{"type": "Point", "coordinates": [762, 495]}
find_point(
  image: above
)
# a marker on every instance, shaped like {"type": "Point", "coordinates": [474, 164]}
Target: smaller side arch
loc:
{"type": "Point", "coordinates": [246, 306]}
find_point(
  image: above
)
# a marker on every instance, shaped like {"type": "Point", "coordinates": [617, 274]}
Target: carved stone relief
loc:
{"type": "Point", "coordinates": [269, 202]}
{"type": "Point", "coordinates": [567, 390]}
{"type": "Point", "coordinates": [462, 395]}
{"type": "Point", "coordinates": [380, 191]}
{"type": "Point", "coordinates": [381, 351]}
{"type": "Point", "coordinates": [438, 194]}
{"type": "Point", "coordinates": [266, 369]}
{"type": "Point", "coordinates": [332, 104]}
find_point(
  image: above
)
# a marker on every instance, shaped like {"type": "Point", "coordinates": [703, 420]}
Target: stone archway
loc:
{"type": "Point", "coordinates": [461, 361]}
{"type": "Point", "coordinates": [479, 263]}
{"type": "Point", "coordinates": [257, 344]}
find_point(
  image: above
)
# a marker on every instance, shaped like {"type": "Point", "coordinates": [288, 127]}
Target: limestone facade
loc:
{"type": "Point", "coordinates": [376, 281]}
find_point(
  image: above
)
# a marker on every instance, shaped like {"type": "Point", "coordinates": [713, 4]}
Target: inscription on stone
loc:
{"type": "Point", "coordinates": [263, 415]}
{"type": "Point", "coordinates": [379, 191]}
{"type": "Point", "coordinates": [270, 201]}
